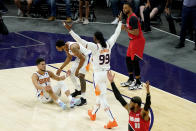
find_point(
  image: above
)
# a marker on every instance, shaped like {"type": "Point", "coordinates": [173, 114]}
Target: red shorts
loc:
{"type": "Point", "coordinates": [136, 48]}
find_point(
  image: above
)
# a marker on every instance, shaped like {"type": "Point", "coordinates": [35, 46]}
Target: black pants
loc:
{"type": "Point", "coordinates": [133, 65]}
{"type": "Point", "coordinates": [2, 6]}
{"type": "Point", "coordinates": [188, 19]}
{"type": "Point", "coordinates": [147, 15]}
{"type": "Point", "coordinates": [3, 28]}
{"type": "Point", "coordinates": [171, 23]}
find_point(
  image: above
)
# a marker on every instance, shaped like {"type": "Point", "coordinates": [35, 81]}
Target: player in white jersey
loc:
{"type": "Point", "coordinates": [78, 69]}
{"type": "Point", "coordinates": [101, 51]}
{"type": "Point", "coordinates": [45, 93]}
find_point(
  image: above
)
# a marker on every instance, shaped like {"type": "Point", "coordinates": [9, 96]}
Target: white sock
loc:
{"type": "Point", "coordinates": [83, 95]}
{"type": "Point", "coordinates": [95, 109]}
{"type": "Point", "coordinates": [70, 97]}
{"type": "Point", "coordinates": [58, 101]}
{"type": "Point", "coordinates": [109, 113]}
{"type": "Point", "coordinates": [75, 83]}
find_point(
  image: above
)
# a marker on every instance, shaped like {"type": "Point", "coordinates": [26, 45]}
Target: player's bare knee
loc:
{"type": "Point", "coordinates": [81, 76]}
{"type": "Point", "coordinates": [49, 91]}
{"type": "Point", "coordinates": [99, 105]}
{"type": "Point", "coordinates": [67, 93]}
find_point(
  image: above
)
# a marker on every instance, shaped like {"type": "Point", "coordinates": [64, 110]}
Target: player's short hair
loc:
{"type": "Point", "coordinates": [60, 43]}
{"type": "Point", "coordinates": [137, 99]}
{"type": "Point", "coordinates": [39, 60]}
{"type": "Point", "coordinates": [129, 3]}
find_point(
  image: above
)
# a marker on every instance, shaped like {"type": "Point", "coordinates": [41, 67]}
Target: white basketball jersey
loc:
{"type": "Point", "coordinates": [82, 49]}
{"type": "Point", "coordinates": [43, 80]}
{"type": "Point", "coordinates": [101, 58]}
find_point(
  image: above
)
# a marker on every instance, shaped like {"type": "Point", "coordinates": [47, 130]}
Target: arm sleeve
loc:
{"type": "Point", "coordinates": [148, 103]}
{"type": "Point", "coordinates": [112, 40]}
{"type": "Point", "coordinates": [118, 95]}
{"type": "Point", "coordinates": [89, 45]}
{"type": "Point", "coordinates": [133, 22]}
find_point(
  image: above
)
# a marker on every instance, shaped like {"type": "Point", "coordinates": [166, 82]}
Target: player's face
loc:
{"type": "Point", "coordinates": [42, 66]}
{"type": "Point", "coordinates": [59, 48]}
{"type": "Point", "coordinates": [95, 40]}
{"type": "Point", "coordinates": [133, 105]}
{"type": "Point", "coordinates": [126, 9]}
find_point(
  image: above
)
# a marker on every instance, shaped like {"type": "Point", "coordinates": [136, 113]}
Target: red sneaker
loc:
{"type": "Point", "coordinates": [92, 117]}
{"type": "Point", "coordinates": [111, 124]}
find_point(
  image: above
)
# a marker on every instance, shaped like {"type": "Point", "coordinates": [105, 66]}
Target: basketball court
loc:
{"type": "Point", "coordinates": [173, 91]}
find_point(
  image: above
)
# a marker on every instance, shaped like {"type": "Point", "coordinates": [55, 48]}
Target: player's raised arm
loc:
{"type": "Point", "coordinates": [145, 110]}
{"type": "Point", "coordinates": [35, 82]}
{"type": "Point", "coordinates": [116, 91]}
{"type": "Point", "coordinates": [89, 45]}
{"type": "Point", "coordinates": [57, 78]}
{"type": "Point", "coordinates": [112, 40]}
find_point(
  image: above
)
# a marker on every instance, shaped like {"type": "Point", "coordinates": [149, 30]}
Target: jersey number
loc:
{"type": "Point", "coordinates": [104, 59]}
{"type": "Point", "coordinates": [137, 125]}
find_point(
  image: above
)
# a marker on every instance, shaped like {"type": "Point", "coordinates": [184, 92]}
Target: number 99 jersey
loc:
{"type": "Point", "coordinates": [101, 58]}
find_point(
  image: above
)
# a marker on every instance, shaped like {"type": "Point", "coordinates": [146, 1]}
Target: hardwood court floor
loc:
{"type": "Point", "coordinates": [20, 110]}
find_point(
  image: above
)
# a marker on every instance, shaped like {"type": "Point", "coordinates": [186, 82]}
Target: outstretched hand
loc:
{"type": "Point", "coordinates": [147, 86]}
{"type": "Point", "coordinates": [67, 26]}
{"type": "Point", "coordinates": [110, 76]}
{"type": "Point", "coordinates": [120, 16]}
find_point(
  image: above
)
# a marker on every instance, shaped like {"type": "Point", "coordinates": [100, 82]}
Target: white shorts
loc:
{"type": "Point", "coordinates": [83, 68]}
{"type": "Point", "coordinates": [100, 80]}
{"type": "Point", "coordinates": [44, 97]}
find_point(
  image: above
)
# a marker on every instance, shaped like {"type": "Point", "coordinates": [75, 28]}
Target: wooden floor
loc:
{"type": "Point", "coordinates": [20, 110]}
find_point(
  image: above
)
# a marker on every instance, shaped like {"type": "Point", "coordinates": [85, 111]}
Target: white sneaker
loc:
{"type": "Point", "coordinates": [74, 102]}
{"type": "Point", "coordinates": [62, 105]}
{"type": "Point", "coordinates": [115, 21]}
{"type": "Point", "coordinates": [128, 83]}
{"type": "Point", "coordinates": [19, 13]}
{"type": "Point", "coordinates": [136, 86]}
{"type": "Point", "coordinates": [85, 21]}
{"type": "Point", "coordinates": [79, 20]}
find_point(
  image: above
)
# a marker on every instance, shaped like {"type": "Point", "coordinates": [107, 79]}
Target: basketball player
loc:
{"type": "Point", "coordinates": [78, 68]}
{"type": "Point", "coordinates": [139, 119]}
{"type": "Point", "coordinates": [135, 49]}
{"type": "Point", "coordinates": [45, 93]}
{"type": "Point", "coordinates": [101, 51]}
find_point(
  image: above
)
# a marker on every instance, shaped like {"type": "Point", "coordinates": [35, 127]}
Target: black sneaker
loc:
{"type": "Point", "coordinates": [146, 30]}
{"type": "Point", "coordinates": [76, 93]}
{"type": "Point", "coordinates": [178, 46]}
{"type": "Point", "coordinates": [83, 102]}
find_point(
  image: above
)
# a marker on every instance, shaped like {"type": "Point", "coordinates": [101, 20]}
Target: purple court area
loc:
{"type": "Point", "coordinates": [18, 51]}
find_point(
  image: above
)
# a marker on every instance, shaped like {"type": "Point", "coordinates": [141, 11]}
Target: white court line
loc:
{"type": "Point", "coordinates": [30, 38]}
{"type": "Point", "coordinates": [55, 20]}
{"type": "Point", "coordinates": [170, 34]}
{"type": "Point", "coordinates": [104, 23]}
{"type": "Point", "coordinates": [16, 47]}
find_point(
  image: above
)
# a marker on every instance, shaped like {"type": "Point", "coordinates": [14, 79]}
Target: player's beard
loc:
{"type": "Point", "coordinates": [127, 12]}
{"type": "Point", "coordinates": [132, 108]}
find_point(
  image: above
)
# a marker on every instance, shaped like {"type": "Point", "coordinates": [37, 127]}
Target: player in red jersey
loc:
{"type": "Point", "coordinates": [139, 119]}
{"type": "Point", "coordinates": [135, 49]}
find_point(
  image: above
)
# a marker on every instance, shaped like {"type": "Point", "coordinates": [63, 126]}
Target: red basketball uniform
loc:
{"type": "Point", "coordinates": [137, 43]}
{"type": "Point", "coordinates": [137, 123]}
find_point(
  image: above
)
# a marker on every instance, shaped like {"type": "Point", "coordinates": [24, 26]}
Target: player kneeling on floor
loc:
{"type": "Point", "coordinates": [45, 93]}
